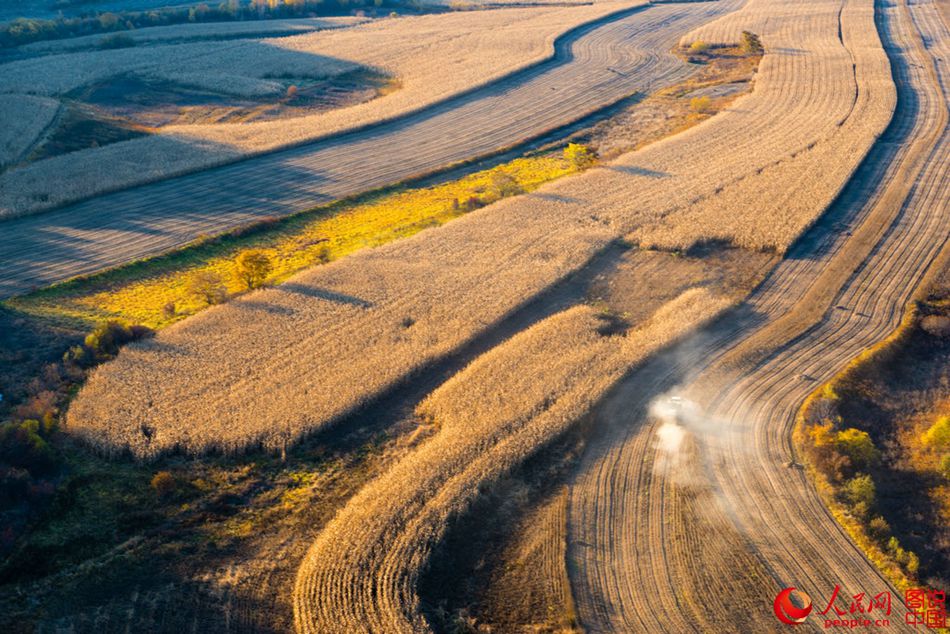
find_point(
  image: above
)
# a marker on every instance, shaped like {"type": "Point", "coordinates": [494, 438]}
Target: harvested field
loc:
{"type": "Point", "coordinates": [82, 127]}
{"type": "Point", "coordinates": [453, 282]}
{"type": "Point", "coordinates": [157, 103]}
{"type": "Point", "coordinates": [725, 74]}
{"type": "Point", "coordinates": [504, 41]}
{"type": "Point", "coordinates": [25, 119]}
{"type": "Point", "coordinates": [842, 289]}
{"type": "Point", "coordinates": [240, 67]}
{"type": "Point", "coordinates": [505, 406]}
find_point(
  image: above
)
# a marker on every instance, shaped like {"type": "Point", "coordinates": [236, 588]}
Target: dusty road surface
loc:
{"type": "Point", "coordinates": [697, 526]}
{"type": "Point", "coordinates": [594, 66]}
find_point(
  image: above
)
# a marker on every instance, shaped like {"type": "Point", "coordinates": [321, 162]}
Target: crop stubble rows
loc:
{"type": "Point", "coordinates": [624, 573]}
{"type": "Point", "coordinates": [361, 573]}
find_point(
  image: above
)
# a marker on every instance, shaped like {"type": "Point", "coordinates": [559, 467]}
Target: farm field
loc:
{"type": "Point", "coordinates": [881, 237]}
{"type": "Point", "coordinates": [188, 207]}
{"type": "Point", "coordinates": [187, 32]}
{"type": "Point", "coordinates": [375, 287]}
{"type": "Point", "coordinates": [342, 164]}
{"type": "Point", "coordinates": [609, 317]}
{"type": "Point", "coordinates": [506, 41]}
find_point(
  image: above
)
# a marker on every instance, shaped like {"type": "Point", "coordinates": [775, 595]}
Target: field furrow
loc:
{"type": "Point", "coordinates": [362, 571]}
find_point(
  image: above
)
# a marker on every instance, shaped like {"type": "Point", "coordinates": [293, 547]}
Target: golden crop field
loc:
{"type": "Point", "coordinates": [476, 317]}
{"type": "Point", "coordinates": [509, 403]}
{"type": "Point", "coordinates": [363, 301]}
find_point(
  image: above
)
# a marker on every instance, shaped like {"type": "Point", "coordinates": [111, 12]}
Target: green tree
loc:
{"type": "Point", "coordinates": [858, 446]}
{"type": "Point", "coordinates": [938, 435]}
{"type": "Point", "coordinates": [860, 491]}
{"type": "Point", "coordinates": [208, 286]}
{"type": "Point", "coordinates": [253, 267]}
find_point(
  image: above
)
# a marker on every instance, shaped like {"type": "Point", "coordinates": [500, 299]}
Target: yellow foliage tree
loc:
{"type": "Point", "coordinates": [857, 445]}
{"type": "Point", "coordinates": [938, 435]}
{"type": "Point", "coordinates": [253, 267]}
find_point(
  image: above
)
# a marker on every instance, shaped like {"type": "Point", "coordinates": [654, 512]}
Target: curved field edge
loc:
{"type": "Point", "coordinates": [554, 48]}
{"type": "Point", "coordinates": [830, 493]}
{"type": "Point", "coordinates": [363, 569]}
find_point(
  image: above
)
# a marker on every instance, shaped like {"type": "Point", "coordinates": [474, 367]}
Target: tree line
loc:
{"type": "Point", "coordinates": [26, 30]}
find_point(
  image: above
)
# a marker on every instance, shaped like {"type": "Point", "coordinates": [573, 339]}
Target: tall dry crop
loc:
{"type": "Point", "coordinates": [361, 573]}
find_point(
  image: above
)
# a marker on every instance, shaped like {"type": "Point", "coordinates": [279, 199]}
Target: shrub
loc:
{"type": "Point", "coordinates": [878, 528]}
{"type": "Point", "coordinates": [164, 484]}
{"type": "Point", "coordinates": [291, 91]}
{"type": "Point", "coordinates": [472, 203]}
{"type": "Point", "coordinates": [860, 491]}
{"type": "Point", "coordinates": [858, 446]}
{"type": "Point", "coordinates": [700, 104]}
{"type": "Point", "coordinates": [579, 155]}
{"type": "Point", "coordinates": [253, 267]}
{"type": "Point", "coordinates": [698, 47]}
{"type": "Point", "coordinates": [750, 43]}
{"type": "Point", "coordinates": [208, 286]}
{"type": "Point", "coordinates": [24, 445]}
{"type": "Point", "coordinates": [913, 563]}
{"type": "Point", "coordinates": [938, 435]}
{"type": "Point", "coordinates": [116, 40]}
{"type": "Point", "coordinates": [104, 342]}
{"type": "Point", "coordinates": [945, 466]}
{"type": "Point", "coordinates": [504, 184]}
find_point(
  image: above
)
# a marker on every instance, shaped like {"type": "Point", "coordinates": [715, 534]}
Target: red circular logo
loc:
{"type": "Point", "coordinates": [789, 613]}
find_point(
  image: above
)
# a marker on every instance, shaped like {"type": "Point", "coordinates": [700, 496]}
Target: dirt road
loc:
{"type": "Point", "coordinates": [701, 536]}
{"type": "Point", "coordinates": [594, 66]}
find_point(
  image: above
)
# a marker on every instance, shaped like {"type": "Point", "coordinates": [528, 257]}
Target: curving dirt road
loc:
{"type": "Point", "coordinates": [700, 536]}
{"type": "Point", "coordinates": [594, 66]}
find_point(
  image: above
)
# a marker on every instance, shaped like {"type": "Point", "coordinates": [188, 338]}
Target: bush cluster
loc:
{"type": "Point", "coordinates": [845, 456]}
{"type": "Point", "coordinates": [104, 342]}
{"type": "Point", "coordinates": [30, 464]}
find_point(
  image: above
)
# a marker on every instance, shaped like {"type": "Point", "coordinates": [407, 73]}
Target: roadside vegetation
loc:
{"type": "Point", "coordinates": [876, 438]}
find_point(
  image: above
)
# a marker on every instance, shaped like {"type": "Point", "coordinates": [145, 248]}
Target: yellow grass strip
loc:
{"type": "Point", "coordinates": [141, 293]}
